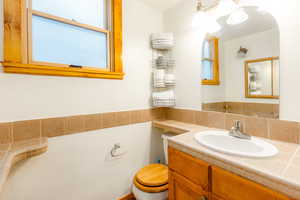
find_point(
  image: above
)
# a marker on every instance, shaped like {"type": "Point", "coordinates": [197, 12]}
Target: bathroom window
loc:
{"type": "Point", "coordinates": [64, 38]}
{"type": "Point", "coordinates": [210, 62]}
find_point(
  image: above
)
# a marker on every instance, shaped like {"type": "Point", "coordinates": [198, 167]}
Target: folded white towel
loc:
{"type": "Point", "coordinates": [254, 69]}
{"type": "Point", "coordinates": [164, 62]}
{"type": "Point", "coordinates": [164, 98]}
{"type": "Point", "coordinates": [162, 40]}
{"type": "Point", "coordinates": [254, 86]}
{"type": "Point", "coordinates": [159, 78]}
{"type": "Point", "coordinates": [162, 47]}
{"type": "Point", "coordinates": [163, 95]}
{"type": "Point", "coordinates": [162, 36]}
{"type": "Point", "coordinates": [169, 79]}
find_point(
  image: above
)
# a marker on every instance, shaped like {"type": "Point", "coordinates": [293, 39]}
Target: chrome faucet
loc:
{"type": "Point", "coordinates": [236, 131]}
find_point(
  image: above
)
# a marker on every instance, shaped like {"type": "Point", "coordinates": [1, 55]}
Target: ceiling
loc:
{"type": "Point", "coordinates": [162, 4]}
{"type": "Point", "coordinates": [257, 22]}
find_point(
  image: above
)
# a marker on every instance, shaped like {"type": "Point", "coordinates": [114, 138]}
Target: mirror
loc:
{"type": "Point", "coordinates": [240, 67]}
{"type": "Point", "coordinates": [262, 78]}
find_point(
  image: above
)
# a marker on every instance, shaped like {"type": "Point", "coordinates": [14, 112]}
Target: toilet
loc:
{"type": "Point", "coordinates": [151, 182]}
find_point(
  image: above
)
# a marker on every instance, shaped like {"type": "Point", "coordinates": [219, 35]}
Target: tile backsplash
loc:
{"type": "Point", "coordinates": [287, 131]}
{"type": "Point", "coordinates": [245, 108]}
{"type": "Point", "coordinates": [53, 127]}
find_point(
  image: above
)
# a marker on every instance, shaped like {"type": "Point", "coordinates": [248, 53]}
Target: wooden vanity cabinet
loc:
{"type": "Point", "coordinates": [229, 186]}
{"type": "Point", "coordinates": [192, 179]}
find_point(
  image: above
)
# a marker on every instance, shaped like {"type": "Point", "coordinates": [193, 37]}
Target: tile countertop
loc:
{"type": "Point", "coordinates": [280, 173]}
{"type": "Point", "coordinates": [12, 153]}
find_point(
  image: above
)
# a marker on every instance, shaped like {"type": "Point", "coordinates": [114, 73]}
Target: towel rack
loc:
{"type": "Point", "coordinates": [163, 63]}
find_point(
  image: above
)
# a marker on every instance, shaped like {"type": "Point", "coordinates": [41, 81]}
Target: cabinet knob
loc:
{"type": "Point", "coordinates": [203, 198]}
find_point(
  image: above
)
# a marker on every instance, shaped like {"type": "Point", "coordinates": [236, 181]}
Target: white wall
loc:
{"type": "Point", "coordinates": [74, 167]}
{"type": "Point", "coordinates": [77, 167]}
{"type": "Point", "coordinates": [188, 52]}
{"type": "Point", "coordinates": [289, 58]}
{"type": "Point", "coordinates": [260, 45]}
{"type": "Point", "coordinates": [26, 97]}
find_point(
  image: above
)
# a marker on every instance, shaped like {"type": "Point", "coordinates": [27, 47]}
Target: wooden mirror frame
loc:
{"type": "Point", "coordinates": [247, 93]}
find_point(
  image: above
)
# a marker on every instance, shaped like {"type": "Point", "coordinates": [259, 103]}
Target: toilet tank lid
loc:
{"type": "Point", "coordinates": [167, 135]}
{"type": "Point", "coordinates": [153, 175]}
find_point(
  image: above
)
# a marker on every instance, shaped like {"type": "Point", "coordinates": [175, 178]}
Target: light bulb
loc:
{"type": "Point", "coordinates": [237, 17]}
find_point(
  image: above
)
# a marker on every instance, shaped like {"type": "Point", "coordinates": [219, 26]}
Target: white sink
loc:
{"type": "Point", "coordinates": [221, 141]}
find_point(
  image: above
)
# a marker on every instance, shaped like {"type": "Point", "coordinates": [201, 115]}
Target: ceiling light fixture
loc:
{"type": "Point", "coordinates": [226, 7]}
{"type": "Point", "coordinates": [236, 13]}
{"type": "Point", "coordinates": [237, 17]}
{"type": "Point", "coordinates": [204, 20]}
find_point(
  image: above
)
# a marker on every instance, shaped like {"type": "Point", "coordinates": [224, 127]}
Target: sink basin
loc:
{"type": "Point", "coordinates": [222, 142]}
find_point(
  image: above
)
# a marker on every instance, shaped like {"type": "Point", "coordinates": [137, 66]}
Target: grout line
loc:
{"type": "Point", "coordinates": [268, 128]}
{"type": "Point", "coordinates": [40, 121]}
{"type": "Point", "coordinates": [291, 161]}
{"type": "Point", "coordinates": [12, 132]}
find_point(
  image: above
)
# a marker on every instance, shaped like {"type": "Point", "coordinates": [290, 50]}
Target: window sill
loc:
{"type": "Point", "coordinates": [262, 96]}
{"type": "Point", "coordinates": [19, 68]}
{"type": "Point", "coordinates": [210, 82]}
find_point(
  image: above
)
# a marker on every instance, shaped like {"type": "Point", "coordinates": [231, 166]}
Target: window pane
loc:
{"type": "Point", "coordinates": [212, 49]}
{"type": "Point", "coordinates": [206, 50]}
{"type": "Point", "coordinates": [90, 12]}
{"type": "Point", "coordinates": [207, 70]}
{"type": "Point", "coordinates": [57, 42]}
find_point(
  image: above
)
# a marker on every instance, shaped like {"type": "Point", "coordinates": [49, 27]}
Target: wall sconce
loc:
{"type": "Point", "coordinates": [242, 52]}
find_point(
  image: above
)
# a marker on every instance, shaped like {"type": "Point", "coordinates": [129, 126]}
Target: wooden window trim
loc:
{"type": "Point", "coordinates": [215, 60]}
{"type": "Point", "coordinates": [17, 58]}
{"type": "Point", "coordinates": [247, 93]}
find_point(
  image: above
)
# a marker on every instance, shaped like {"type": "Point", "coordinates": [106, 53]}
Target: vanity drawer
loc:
{"type": "Point", "coordinates": [180, 188]}
{"type": "Point", "coordinates": [229, 186]}
{"type": "Point", "coordinates": [191, 168]}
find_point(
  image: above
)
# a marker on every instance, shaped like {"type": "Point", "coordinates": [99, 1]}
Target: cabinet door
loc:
{"type": "Point", "coordinates": [191, 168]}
{"type": "Point", "coordinates": [181, 188]}
{"type": "Point", "coordinates": [229, 186]}
{"type": "Point", "coordinates": [214, 197]}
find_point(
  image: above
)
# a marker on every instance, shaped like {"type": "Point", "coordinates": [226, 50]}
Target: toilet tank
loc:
{"type": "Point", "coordinates": [165, 137]}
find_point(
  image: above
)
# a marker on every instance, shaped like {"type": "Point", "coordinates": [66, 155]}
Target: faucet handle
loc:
{"type": "Point", "coordinates": [238, 124]}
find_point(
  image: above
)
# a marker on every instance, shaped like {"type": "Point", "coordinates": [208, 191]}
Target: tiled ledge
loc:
{"type": "Point", "coordinates": [280, 173]}
{"type": "Point", "coordinates": [10, 154]}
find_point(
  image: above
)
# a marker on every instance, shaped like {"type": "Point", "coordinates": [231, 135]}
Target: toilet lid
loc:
{"type": "Point", "coordinates": [153, 175]}
{"type": "Point", "coordinates": [149, 189]}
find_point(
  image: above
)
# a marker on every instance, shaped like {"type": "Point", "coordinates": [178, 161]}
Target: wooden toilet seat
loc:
{"type": "Point", "coordinates": [152, 178]}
